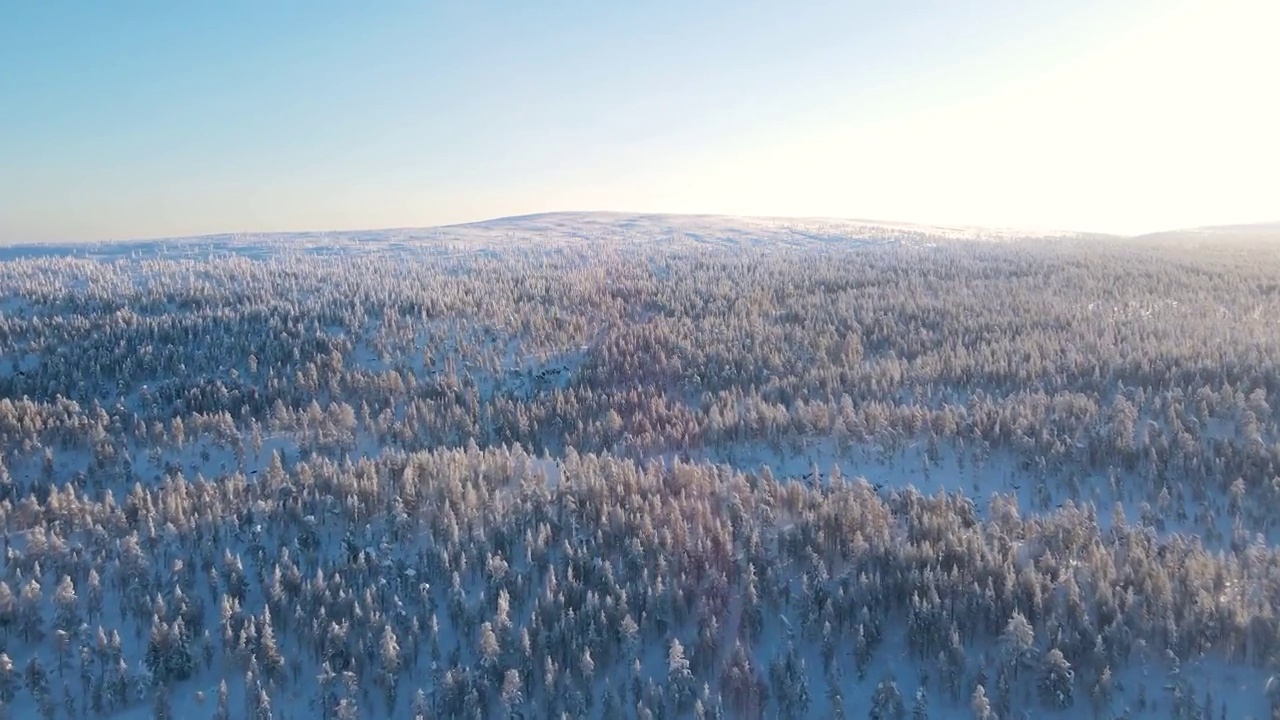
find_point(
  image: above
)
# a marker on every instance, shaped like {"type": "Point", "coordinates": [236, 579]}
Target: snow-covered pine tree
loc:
{"type": "Point", "coordinates": [1004, 692]}
{"type": "Point", "coordinates": [828, 646]}
{"type": "Point", "coordinates": [156, 657]}
{"type": "Point", "coordinates": [8, 679]}
{"type": "Point", "coordinates": [116, 684]}
{"type": "Point", "coordinates": [980, 705]}
{"type": "Point", "coordinates": [420, 708]}
{"type": "Point", "coordinates": [8, 607]}
{"type": "Point", "coordinates": [66, 610]}
{"type": "Point", "coordinates": [886, 701]}
{"type": "Point", "coordinates": [222, 711]}
{"type": "Point", "coordinates": [679, 677]}
{"type": "Point", "coordinates": [1103, 690]}
{"type": "Point", "coordinates": [61, 650]}
{"type": "Point", "coordinates": [1057, 681]}
{"type": "Point", "coordinates": [861, 651]}
{"type": "Point", "coordinates": [270, 658]}
{"type": "Point", "coordinates": [178, 663]}
{"type": "Point", "coordinates": [510, 692]}
{"type": "Point", "coordinates": [629, 636]}
{"type": "Point", "coordinates": [920, 708]}
{"type": "Point", "coordinates": [389, 660]}
{"type": "Point", "coordinates": [489, 648]}
{"type": "Point", "coordinates": [29, 616]}
{"type": "Point", "coordinates": [36, 678]}
{"type": "Point", "coordinates": [787, 678]}
{"type": "Point", "coordinates": [752, 611]}
{"type": "Point", "coordinates": [262, 706]}
{"type": "Point", "coordinates": [588, 665]}
{"type": "Point", "coordinates": [1017, 643]}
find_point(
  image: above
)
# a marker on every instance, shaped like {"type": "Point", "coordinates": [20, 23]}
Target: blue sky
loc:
{"type": "Point", "coordinates": [140, 119]}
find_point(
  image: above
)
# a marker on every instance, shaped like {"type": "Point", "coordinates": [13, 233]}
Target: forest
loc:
{"type": "Point", "coordinates": [654, 470]}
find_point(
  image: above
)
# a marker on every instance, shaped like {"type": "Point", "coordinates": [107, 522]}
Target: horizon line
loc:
{"type": "Point", "coordinates": [1029, 231]}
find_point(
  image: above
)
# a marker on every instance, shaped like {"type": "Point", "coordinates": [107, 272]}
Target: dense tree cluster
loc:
{"type": "Point", "coordinates": [560, 481]}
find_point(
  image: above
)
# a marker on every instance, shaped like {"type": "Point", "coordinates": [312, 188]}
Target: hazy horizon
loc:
{"type": "Point", "coordinates": [146, 120]}
{"type": "Point", "coordinates": [566, 223]}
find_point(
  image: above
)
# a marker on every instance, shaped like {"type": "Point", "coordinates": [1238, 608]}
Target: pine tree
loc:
{"type": "Point", "coordinates": [178, 663]}
{"type": "Point", "coordinates": [223, 709]}
{"type": "Point", "coordinates": [252, 684]}
{"type": "Point", "coordinates": [61, 650]}
{"type": "Point", "coordinates": [36, 678]}
{"type": "Point", "coordinates": [262, 706]}
{"type": "Point", "coordinates": [489, 648]}
{"type": "Point", "coordinates": [679, 675]}
{"type": "Point", "coordinates": [420, 707]}
{"type": "Point", "coordinates": [886, 702]}
{"type": "Point", "coordinates": [8, 606]}
{"type": "Point", "coordinates": [752, 612]}
{"type": "Point", "coordinates": [117, 683]}
{"type": "Point", "coordinates": [861, 651]}
{"type": "Point", "coordinates": [157, 649]}
{"type": "Point", "coordinates": [1056, 685]}
{"type": "Point", "coordinates": [920, 709]}
{"type": "Point", "coordinates": [389, 657]}
{"type": "Point", "coordinates": [629, 635]}
{"type": "Point", "coordinates": [1004, 692]}
{"type": "Point", "coordinates": [389, 651]}
{"type": "Point", "coordinates": [8, 679]}
{"type": "Point", "coordinates": [502, 615]}
{"type": "Point", "coordinates": [66, 614]}
{"type": "Point", "coordinates": [327, 680]}
{"type": "Point", "coordinates": [611, 705]}
{"type": "Point", "coordinates": [30, 622]}
{"type": "Point", "coordinates": [980, 705]}
{"type": "Point", "coordinates": [828, 646]}
{"type": "Point", "coordinates": [1102, 690]}
{"type": "Point", "coordinates": [269, 656]}
{"type": "Point", "coordinates": [1017, 642]}
{"type": "Point", "coordinates": [511, 696]}
{"type": "Point", "coordinates": [788, 679]}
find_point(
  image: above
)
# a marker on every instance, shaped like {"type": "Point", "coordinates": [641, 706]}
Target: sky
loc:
{"type": "Point", "coordinates": [131, 119]}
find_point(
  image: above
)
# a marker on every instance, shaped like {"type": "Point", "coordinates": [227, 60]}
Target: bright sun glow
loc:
{"type": "Point", "coordinates": [1177, 122]}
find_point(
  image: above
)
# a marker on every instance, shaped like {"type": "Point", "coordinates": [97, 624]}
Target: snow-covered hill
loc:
{"type": "Point", "coordinates": [1252, 233]}
{"type": "Point", "coordinates": [542, 231]}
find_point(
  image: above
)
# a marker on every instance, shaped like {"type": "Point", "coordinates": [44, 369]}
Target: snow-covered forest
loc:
{"type": "Point", "coordinates": [622, 467]}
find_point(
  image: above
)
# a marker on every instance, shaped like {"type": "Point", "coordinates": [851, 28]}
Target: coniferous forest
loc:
{"type": "Point", "coordinates": [622, 467]}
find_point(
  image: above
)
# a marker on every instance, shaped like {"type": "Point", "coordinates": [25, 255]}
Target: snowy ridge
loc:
{"type": "Point", "coordinates": [542, 231]}
{"type": "Point", "coordinates": [1253, 234]}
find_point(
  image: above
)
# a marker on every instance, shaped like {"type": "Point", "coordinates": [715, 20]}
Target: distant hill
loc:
{"type": "Point", "coordinates": [561, 228]}
{"type": "Point", "coordinates": [764, 227]}
{"type": "Point", "coordinates": [1218, 233]}
{"type": "Point", "coordinates": [547, 230]}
